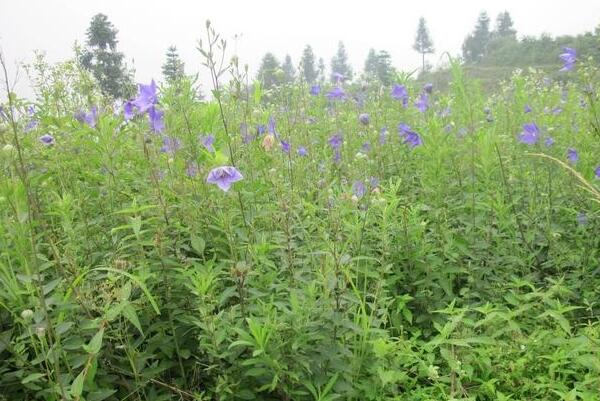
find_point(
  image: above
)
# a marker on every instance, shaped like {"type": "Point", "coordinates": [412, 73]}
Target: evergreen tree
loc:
{"type": "Point", "coordinates": [423, 43]}
{"type": "Point", "coordinates": [289, 71]}
{"type": "Point", "coordinates": [103, 60]}
{"type": "Point", "coordinates": [475, 44]}
{"type": "Point", "coordinates": [339, 63]}
{"type": "Point", "coordinates": [371, 65]}
{"type": "Point", "coordinates": [269, 72]}
{"type": "Point", "coordinates": [321, 70]}
{"type": "Point", "coordinates": [384, 67]}
{"type": "Point", "coordinates": [504, 26]}
{"type": "Point", "coordinates": [173, 68]}
{"type": "Point", "coordinates": [309, 72]}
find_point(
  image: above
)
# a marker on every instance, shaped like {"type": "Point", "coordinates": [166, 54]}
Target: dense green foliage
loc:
{"type": "Point", "coordinates": [500, 47]}
{"type": "Point", "coordinates": [468, 270]}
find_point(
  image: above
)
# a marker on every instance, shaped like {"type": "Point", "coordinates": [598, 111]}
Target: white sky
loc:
{"type": "Point", "coordinates": [148, 27]}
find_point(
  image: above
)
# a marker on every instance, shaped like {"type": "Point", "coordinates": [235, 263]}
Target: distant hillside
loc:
{"type": "Point", "coordinates": [502, 55]}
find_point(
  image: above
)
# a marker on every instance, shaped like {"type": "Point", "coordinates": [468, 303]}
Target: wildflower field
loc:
{"type": "Point", "coordinates": [343, 241]}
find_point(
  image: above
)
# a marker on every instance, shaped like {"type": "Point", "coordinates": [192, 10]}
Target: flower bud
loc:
{"type": "Point", "coordinates": [40, 331]}
{"type": "Point", "coordinates": [27, 314]}
{"type": "Point", "coordinates": [268, 142]}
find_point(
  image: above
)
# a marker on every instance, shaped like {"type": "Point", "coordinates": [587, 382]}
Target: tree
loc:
{"type": "Point", "coordinates": [321, 70]}
{"type": "Point", "coordinates": [423, 43]}
{"type": "Point", "coordinates": [340, 65]}
{"type": "Point", "coordinates": [371, 64]}
{"type": "Point", "coordinates": [378, 66]}
{"type": "Point", "coordinates": [102, 59]}
{"type": "Point", "coordinates": [384, 67]}
{"type": "Point", "coordinates": [269, 73]}
{"type": "Point", "coordinates": [504, 26]}
{"type": "Point", "coordinates": [475, 44]}
{"type": "Point", "coordinates": [173, 68]}
{"type": "Point", "coordinates": [307, 62]}
{"type": "Point", "coordinates": [289, 71]}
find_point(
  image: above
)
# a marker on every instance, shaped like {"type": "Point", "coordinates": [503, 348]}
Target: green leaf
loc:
{"type": "Point", "coordinates": [136, 225]}
{"type": "Point", "coordinates": [198, 244]}
{"type": "Point", "coordinates": [77, 385]}
{"type": "Point", "coordinates": [95, 343]}
{"type": "Point", "coordinates": [100, 394]}
{"type": "Point", "coordinates": [131, 315]}
{"type": "Point", "coordinates": [32, 377]}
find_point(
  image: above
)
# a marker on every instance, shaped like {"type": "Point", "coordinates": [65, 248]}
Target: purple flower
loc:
{"type": "Point", "coordinates": [170, 145]}
{"type": "Point", "coordinates": [92, 117]}
{"type": "Point", "coordinates": [285, 147]}
{"type": "Point", "coordinates": [336, 93]}
{"type": "Point", "coordinates": [428, 88]}
{"type": "Point", "coordinates": [582, 219]}
{"type": "Point", "coordinates": [530, 134]}
{"type": "Point", "coordinates": [80, 116]}
{"type": "Point", "coordinates": [597, 172]}
{"type": "Point", "coordinates": [302, 151]}
{"type": "Point", "coordinates": [399, 92]}
{"type": "Point", "coordinates": [32, 124]}
{"type": "Point", "coordinates": [260, 129]}
{"type": "Point", "coordinates": [383, 136]}
{"type": "Point", "coordinates": [403, 129]}
{"type": "Point", "coordinates": [208, 141]}
{"type": "Point", "coordinates": [549, 141]}
{"type": "Point", "coordinates": [422, 102]}
{"type": "Point", "coordinates": [557, 110]}
{"type": "Point", "coordinates": [411, 138]}
{"type": "Point", "coordinates": [527, 109]}
{"type": "Point", "coordinates": [155, 117]}
{"type": "Point", "coordinates": [224, 177]}
{"type": "Point", "coordinates": [364, 118]}
{"type": "Point", "coordinates": [359, 189]}
{"type": "Point", "coordinates": [271, 126]}
{"type": "Point", "coordinates": [128, 110]}
{"type": "Point", "coordinates": [246, 138]}
{"type": "Point", "coordinates": [47, 139]}
{"type": "Point", "coordinates": [335, 141]}
{"type": "Point", "coordinates": [337, 77]}
{"type": "Point", "coordinates": [366, 147]}
{"type": "Point", "coordinates": [315, 90]}
{"type": "Point", "coordinates": [337, 155]}
{"type": "Point", "coordinates": [191, 170]}
{"type": "Point", "coordinates": [568, 57]}
{"type": "Point", "coordinates": [572, 155]}
{"type": "Point", "coordinates": [146, 97]}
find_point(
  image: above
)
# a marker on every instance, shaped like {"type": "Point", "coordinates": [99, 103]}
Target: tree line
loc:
{"type": "Point", "coordinates": [484, 45]}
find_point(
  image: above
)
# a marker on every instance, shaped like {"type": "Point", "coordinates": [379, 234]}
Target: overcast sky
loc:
{"type": "Point", "coordinates": [148, 27]}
